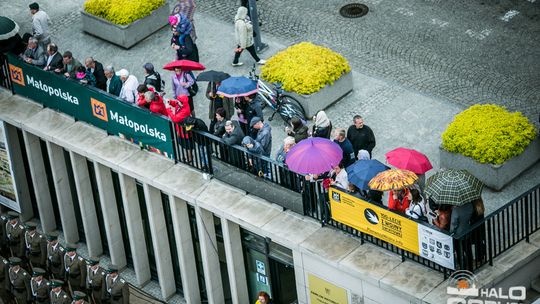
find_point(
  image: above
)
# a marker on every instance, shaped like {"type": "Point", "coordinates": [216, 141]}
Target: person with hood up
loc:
{"type": "Point", "coordinates": [322, 127]}
{"type": "Point", "coordinates": [244, 37]}
{"type": "Point", "coordinates": [264, 134]}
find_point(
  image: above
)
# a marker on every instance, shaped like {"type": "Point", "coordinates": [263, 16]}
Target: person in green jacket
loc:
{"type": "Point", "coordinates": [114, 84]}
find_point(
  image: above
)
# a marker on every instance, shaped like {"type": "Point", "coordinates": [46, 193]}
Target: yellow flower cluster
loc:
{"type": "Point", "coordinates": [489, 134]}
{"type": "Point", "coordinates": [122, 12]}
{"type": "Point", "coordinates": [305, 68]}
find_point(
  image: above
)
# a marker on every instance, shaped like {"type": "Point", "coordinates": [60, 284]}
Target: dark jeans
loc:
{"type": "Point", "coordinates": [251, 50]}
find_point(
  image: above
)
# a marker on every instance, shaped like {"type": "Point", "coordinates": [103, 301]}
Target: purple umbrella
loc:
{"type": "Point", "coordinates": [314, 155]}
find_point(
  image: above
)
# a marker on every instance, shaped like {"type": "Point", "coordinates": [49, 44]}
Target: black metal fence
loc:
{"type": "Point", "coordinates": [484, 241]}
{"type": "Point", "coordinates": [5, 80]}
{"type": "Point", "coordinates": [499, 231]}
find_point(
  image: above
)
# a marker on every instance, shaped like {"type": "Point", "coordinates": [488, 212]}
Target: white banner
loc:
{"type": "Point", "coordinates": [436, 246]}
{"type": "Point", "coordinates": [8, 190]}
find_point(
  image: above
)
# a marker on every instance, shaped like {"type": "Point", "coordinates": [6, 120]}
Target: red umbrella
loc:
{"type": "Point", "coordinates": [409, 159]}
{"type": "Point", "coordinates": [186, 65]}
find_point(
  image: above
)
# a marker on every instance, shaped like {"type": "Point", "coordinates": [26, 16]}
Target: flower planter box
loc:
{"type": "Point", "coordinates": [493, 176]}
{"type": "Point", "coordinates": [126, 36]}
{"type": "Point", "coordinates": [326, 96]}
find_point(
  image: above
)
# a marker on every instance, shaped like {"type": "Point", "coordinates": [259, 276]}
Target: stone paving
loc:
{"type": "Point", "coordinates": [464, 51]}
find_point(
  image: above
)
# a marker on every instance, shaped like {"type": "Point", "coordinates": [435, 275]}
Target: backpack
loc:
{"type": "Point", "coordinates": [194, 88]}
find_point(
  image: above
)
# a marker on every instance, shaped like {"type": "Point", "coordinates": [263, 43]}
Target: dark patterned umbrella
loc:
{"type": "Point", "coordinates": [453, 187]}
{"type": "Point", "coordinates": [8, 28]}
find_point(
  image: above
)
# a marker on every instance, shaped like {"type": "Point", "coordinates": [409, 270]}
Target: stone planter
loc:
{"type": "Point", "coordinates": [493, 176]}
{"type": "Point", "coordinates": [126, 35]}
{"type": "Point", "coordinates": [326, 96]}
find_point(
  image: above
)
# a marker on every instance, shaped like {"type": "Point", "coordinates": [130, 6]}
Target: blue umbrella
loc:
{"type": "Point", "coordinates": [237, 86]}
{"type": "Point", "coordinates": [362, 171]}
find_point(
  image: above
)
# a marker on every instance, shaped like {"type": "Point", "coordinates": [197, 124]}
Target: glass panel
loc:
{"type": "Point", "coordinates": [222, 260]}
{"type": "Point", "coordinates": [147, 232]}
{"type": "Point", "coordinates": [197, 249]}
{"type": "Point", "coordinates": [172, 242]}
{"type": "Point", "coordinates": [97, 205]}
{"type": "Point", "coordinates": [122, 217]}
{"type": "Point", "coordinates": [28, 174]}
{"type": "Point", "coordinates": [74, 197]}
{"type": "Point", "coordinates": [48, 173]}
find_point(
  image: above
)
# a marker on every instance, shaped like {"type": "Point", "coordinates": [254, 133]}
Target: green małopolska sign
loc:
{"type": "Point", "coordinates": [151, 131]}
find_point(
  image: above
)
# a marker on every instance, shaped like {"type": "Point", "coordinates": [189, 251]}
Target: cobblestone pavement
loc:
{"type": "Point", "coordinates": [464, 51]}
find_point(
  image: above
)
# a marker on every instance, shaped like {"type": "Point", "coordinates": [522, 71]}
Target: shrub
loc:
{"type": "Point", "coordinates": [122, 12]}
{"type": "Point", "coordinates": [305, 68]}
{"type": "Point", "coordinates": [489, 134]}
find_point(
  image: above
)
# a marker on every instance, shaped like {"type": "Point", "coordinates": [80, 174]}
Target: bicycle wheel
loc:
{"type": "Point", "coordinates": [290, 107]}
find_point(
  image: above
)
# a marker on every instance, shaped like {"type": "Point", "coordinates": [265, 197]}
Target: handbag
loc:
{"type": "Point", "coordinates": [194, 88]}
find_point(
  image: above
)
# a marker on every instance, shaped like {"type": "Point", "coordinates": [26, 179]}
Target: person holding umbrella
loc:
{"type": "Point", "coordinates": [237, 87]}
{"type": "Point", "coordinates": [217, 101]}
{"type": "Point", "coordinates": [183, 80]}
{"type": "Point", "coordinates": [412, 160]}
{"type": "Point", "coordinates": [398, 182]}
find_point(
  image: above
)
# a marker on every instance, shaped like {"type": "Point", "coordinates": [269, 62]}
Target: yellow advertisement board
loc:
{"type": "Point", "coordinates": [323, 292]}
{"type": "Point", "coordinates": [373, 220]}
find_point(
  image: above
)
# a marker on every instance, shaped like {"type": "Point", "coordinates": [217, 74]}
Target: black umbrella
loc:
{"type": "Point", "coordinates": [212, 76]}
{"type": "Point", "coordinates": [8, 28]}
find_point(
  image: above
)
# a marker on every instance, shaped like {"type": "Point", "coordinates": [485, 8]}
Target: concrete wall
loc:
{"type": "Point", "coordinates": [368, 273]}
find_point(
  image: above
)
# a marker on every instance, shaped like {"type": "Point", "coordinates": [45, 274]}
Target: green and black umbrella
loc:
{"type": "Point", "coordinates": [8, 28]}
{"type": "Point", "coordinates": [453, 187]}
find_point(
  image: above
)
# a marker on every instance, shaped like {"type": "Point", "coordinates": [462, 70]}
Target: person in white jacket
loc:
{"type": "Point", "coordinates": [129, 86]}
{"type": "Point", "coordinates": [40, 25]}
{"type": "Point", "coordinates": [244, 37]}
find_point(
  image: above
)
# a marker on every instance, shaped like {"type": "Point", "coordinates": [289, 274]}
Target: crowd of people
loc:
{"type": "Point", "coordinates": [36, 268]}
{"type": "Point", "coordinates": [237, 121]}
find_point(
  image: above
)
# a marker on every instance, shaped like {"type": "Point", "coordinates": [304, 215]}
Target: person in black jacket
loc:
{"type": "Point", "coordinates": [184, 46]}
{"type": "Point", "coordinates": [152, 78]}
{"type": "Point", "coordinates": [360, 136]}
{"type": "Point", "coordinates": [54, 59]}
{"type": "Point", "coordinates": [96, 68]}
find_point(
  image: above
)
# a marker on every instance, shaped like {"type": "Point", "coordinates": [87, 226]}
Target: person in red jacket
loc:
{"type": "Point", "coordinates": [141, 89]}
{"type": "Point", "coordinates": [155, 101]}
{"type": "Point", "coordinates": [178, 110]}
{"type": "Point", "coordinates": [399, 200]}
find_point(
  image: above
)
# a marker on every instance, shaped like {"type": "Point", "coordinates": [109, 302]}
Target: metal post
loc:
{"type": "Point", "coordinates": [259, 45]}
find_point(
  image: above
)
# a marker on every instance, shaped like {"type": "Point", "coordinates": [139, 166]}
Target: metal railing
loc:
{"type": "Point", "coordinates": [5, 79]}
{"type": "Point", "coordinates": [499, 231]}
{"type": "Point", "coordinates": [317, 207]}
{"type": "Point", "coordinates": [484, 241]}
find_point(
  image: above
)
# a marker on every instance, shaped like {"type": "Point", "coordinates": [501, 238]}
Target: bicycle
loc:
{"type": "Point", "coordinates": [285, 105]}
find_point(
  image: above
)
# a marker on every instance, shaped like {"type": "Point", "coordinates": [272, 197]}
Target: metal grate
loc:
{"type": "Point", "coordinates": [353, 10]}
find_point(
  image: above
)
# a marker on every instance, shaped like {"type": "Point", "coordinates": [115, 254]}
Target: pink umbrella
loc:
{"type": "Point", "coordinates": [314, 155]}
{"type": "Point", "coordinates": [409, 159]}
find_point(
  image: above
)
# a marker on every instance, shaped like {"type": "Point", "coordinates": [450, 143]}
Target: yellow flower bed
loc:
{"type": "Point", "coordinates": [305, 68]}
{"type": "Point", "coordinates": [489, 134]}
{"type": "Point", "coordinates": [122, 12]}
